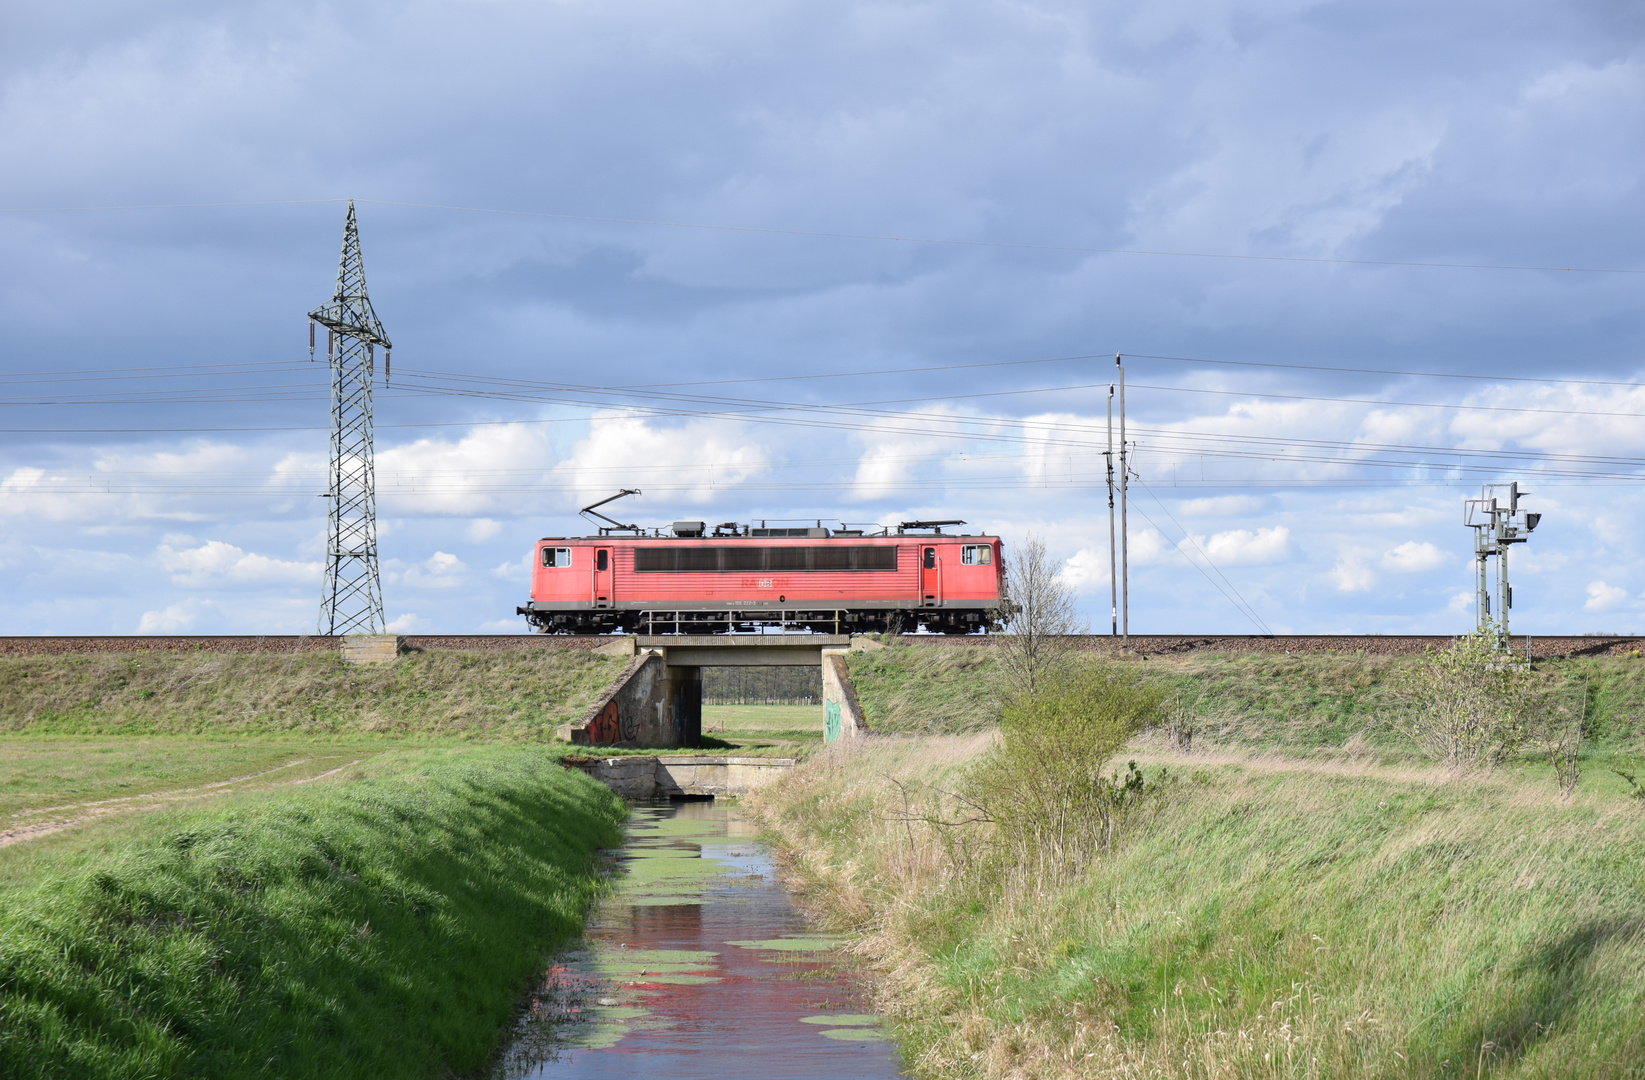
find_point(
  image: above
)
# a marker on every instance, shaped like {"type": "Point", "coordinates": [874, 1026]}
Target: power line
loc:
{"type": "Point", "coordinates": [1384, 371]}
{"type": "Point", "coordinates": [1002, 245]}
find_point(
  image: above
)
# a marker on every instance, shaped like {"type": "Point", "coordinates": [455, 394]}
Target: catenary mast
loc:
{"type": "Point", "coordinates": [351, 597]}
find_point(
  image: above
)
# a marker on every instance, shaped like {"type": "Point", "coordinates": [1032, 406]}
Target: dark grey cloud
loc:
{"type": "Point", "coordinates": [1473, 133]}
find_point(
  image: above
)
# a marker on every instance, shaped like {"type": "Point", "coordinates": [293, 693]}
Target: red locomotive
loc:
{"type": "Point", "coordinates": [740, 578]}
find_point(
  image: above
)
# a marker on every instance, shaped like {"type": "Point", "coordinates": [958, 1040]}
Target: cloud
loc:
{"type": "Point", "coordinates": [692, 462]}
{"type": "Point", "coordinates": [483, 529]}
{"type": "Point", "coordinates": [216, 563]}
{"type": "Point", "coordinates": [1350, 575]}
{"type": "Point", "coordinates": [175, 619]}
{"type": "Point", "coordinates": [1241, 547]}
{"type": "Point", "coordinates": [1148, 548]}
{"type": "Point", "coordinates": [1086, 569]}
{"type": "Point", "coordinates": [442, 570]}
{"type": "Point", "coordinates": [408, 623]}
{"type": "Point", "coordinates": [518, 571]}
{"type": "Point", "coordinates": [1414, 557]}
{"type": "Point", "coordinates": [462, 476]}
{"type": "Point", "coordinates": [1224, 506]}
{"type": "Point", "coordinates": [1603, 597]}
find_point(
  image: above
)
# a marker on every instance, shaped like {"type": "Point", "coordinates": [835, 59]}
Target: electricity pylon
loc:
{"type": "Point", "coordinates": [351, 597]}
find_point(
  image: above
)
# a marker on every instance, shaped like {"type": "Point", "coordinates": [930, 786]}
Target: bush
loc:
{"type": "Point", "coordinates": [1043, 786]}
{"type": "Point", "coordinates": [1470, 706]}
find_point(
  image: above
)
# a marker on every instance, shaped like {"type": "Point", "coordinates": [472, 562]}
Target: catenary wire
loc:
{"type": "Point", "coordinates": [1003, 245]}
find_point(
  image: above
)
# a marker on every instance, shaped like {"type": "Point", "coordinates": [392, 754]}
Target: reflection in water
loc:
{"type": "Point", "coordinates": [698, 964]}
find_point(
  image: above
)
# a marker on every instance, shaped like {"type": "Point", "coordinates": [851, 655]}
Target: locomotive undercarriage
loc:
{"type": "Point", "coordinates": [829, 621]}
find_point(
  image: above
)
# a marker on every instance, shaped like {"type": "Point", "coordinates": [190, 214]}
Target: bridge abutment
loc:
{"type": "Point", "coordinates": [658, 699]}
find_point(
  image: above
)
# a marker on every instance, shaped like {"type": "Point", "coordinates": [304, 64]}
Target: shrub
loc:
{"type": "Point", "coordinates": [1470, 706]}
{"type": "Point", "coordinates": [1043, 785]}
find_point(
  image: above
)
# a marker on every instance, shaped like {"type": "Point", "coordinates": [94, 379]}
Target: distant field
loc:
{"type": "Point", "coordinates": [757, 727]}
{"type": "Point", "coordinates": [55, 784]}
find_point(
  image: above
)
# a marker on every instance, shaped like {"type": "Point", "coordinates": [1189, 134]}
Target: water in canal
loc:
{"type": "Point", "coordinates": [697, 965]}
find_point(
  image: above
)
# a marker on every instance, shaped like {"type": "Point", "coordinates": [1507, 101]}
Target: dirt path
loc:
{"type": "Point", "coordinates": [1281, 763]}
{"type": "Point", "coordinates": [157, 800]}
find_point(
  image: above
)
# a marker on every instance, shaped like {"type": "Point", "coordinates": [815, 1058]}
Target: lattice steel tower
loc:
{"type": "Point", "coordinates": [351, 597]}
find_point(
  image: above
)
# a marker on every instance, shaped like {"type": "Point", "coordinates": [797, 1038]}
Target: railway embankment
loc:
{"type": "Point", "coordinates": [496, 693]}
{"type": "Point", "coordinates": [1299, 703]}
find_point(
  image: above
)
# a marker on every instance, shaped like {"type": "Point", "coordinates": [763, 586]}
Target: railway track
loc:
{"type": "Point", "coordinates": [1140, 644]}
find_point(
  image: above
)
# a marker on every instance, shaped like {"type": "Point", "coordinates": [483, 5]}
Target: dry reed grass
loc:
{"type": "Point", "coordinates": [1316, 919]}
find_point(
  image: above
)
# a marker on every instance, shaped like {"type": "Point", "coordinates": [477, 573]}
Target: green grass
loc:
{"type": "Point", "coordinates": [1276, 919]}
{"type": "Point", "coordinates": [926, 689]}
{"type": "Point", "coordinates": [505, 694]}
{"type": "Point", "coordinates": [382, 921]}
{"type": "Point", "coordinates": [764, 727]}
{"type": "Point", "coordinates": [43, 773]}
{"type": "Point", "coordinates": [1253, 701]}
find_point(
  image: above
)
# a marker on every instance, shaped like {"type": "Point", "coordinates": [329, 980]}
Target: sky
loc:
{"type": "Point", "coordinates": [846, 261]}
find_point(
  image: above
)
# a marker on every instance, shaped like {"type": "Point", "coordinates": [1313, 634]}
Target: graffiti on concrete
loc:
{"type": "Point", "coordinates": [605, 728]}
{"type": "Point", "coordinates": [831, 721]}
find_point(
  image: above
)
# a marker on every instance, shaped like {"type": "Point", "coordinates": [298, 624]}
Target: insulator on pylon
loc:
{"type": "Point", "coordinates": [330, 334]}
{"type": "Point", "coordinates": [386, 369]}
{"type": "Point", "coordinates": [371, 360]}
{"type": "Point", "coordinates": [311, 339]}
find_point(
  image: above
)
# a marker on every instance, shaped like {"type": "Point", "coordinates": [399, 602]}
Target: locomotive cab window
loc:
{"type": "Point", "coordinates": [602, 559]}
{"type": "Point", "coordinates": [976, 555]}
{"type": "Point", "coordinates": [556, 557]}
{"type": "Point", "coordinates": [930, 558]}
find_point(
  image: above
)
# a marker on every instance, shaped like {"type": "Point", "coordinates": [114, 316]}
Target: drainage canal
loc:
{"type": "Point", "coordinates": [696, 964]}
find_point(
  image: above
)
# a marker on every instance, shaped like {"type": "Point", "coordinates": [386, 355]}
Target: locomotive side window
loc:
{"type": "Point", "coordinates": [602, 560]}
{"type": "Point", "coordinates": [976, 555]}
{"type": "Point", "coordinates": [930, 558]}
{"type": "Point", "coordinates": [556, 557]}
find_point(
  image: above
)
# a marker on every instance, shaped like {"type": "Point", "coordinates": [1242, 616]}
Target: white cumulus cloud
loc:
{"type": "Point", "coordinates": [442, 570]}
{"type": "Point", "coordinates": [1351, 575]}
{"type": "Point", "coordinates": [1414, 557]}
{"type": "Point", "coordinates": [219, 563]}
{"type": "Point", "coordinates": [1086, 569]}
{"type": "Point", "coordinates": [1603, 597]}
{"type": "Point", "coordinates": [1242, 547]}
{"type": "Point", "coordinates": [173, 619]}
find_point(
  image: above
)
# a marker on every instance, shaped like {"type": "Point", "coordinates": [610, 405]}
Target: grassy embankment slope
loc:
{"type": "Point", "coordinates": [1311, 901]}
{"type": "Point", "coordinates": [1251, 702]}
{"type": "Point", "coordinates": [512, 693]}
{"type": "Point", "coordinates": [281, 866]}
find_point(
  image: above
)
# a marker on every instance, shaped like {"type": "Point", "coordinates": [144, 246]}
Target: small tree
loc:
{"type": "Point", "coordinates": [1040, 613]}
{"type": "Point", "coordinates": [1044, 787]}
{"type": "Point", "coordinates": [1470, 706]}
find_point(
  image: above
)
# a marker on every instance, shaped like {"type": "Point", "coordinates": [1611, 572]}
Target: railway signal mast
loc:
{"type": "Point", "coordinates": [1498, 524]}
{"type": "Point", "coordinates": [1119, 578]}
{"type": "Point", "coordinates": [351, 597]}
